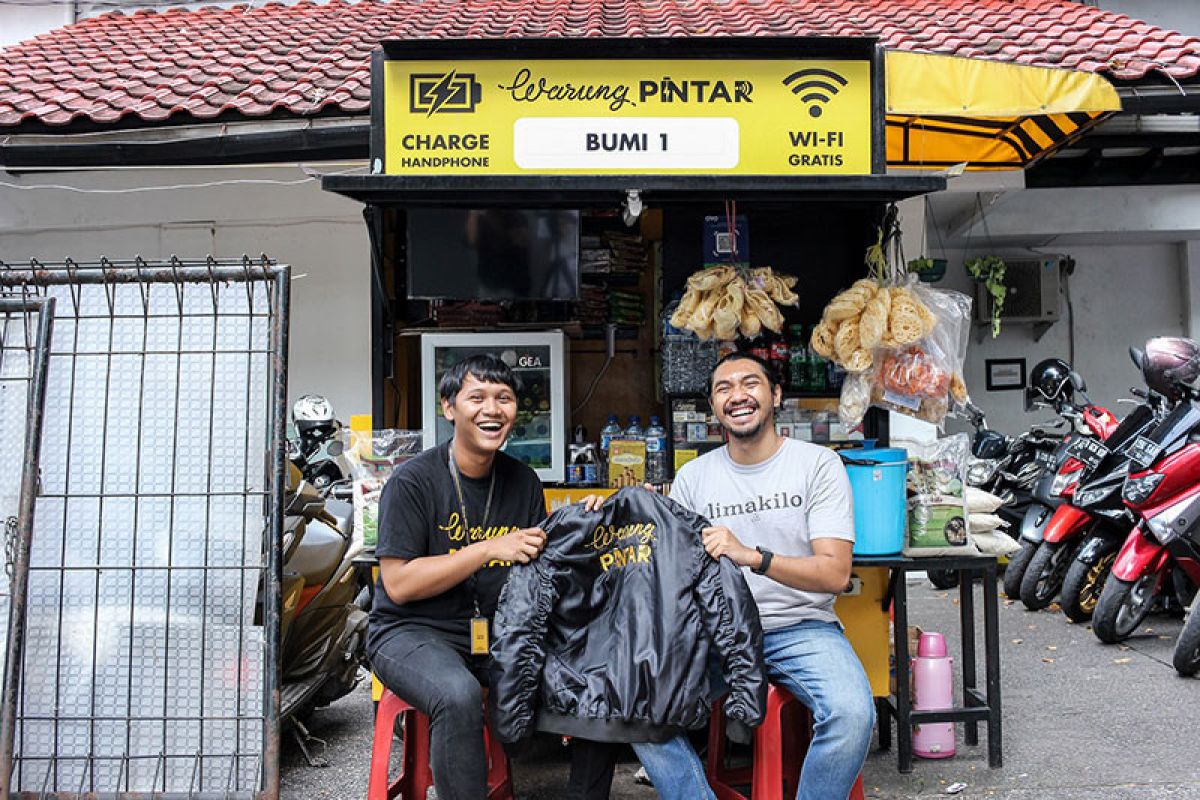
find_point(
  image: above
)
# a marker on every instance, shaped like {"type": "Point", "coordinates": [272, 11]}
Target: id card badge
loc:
{"type": "Point", "coordinates": [479, 636]}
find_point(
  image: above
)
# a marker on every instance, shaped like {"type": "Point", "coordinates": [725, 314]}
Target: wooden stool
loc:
{"type": "Point", "coordinates": [416, 775]}
{"type": "Point", "coordinates": [780, 744]}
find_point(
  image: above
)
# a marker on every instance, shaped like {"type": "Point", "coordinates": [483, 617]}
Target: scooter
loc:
{"type": "Point", "coordinates": [1187, 647]}
{"type": "Point", "coordinates": [317, 449]}
{"type": "Point", "coordinates": [324, 610]}
{"type": "Point", "coordinates": [1089, 423]}
{"type": "Point", "coordinates": [1160, 558]}
{"type": "Point", "coordinates": [1007, 467]}
{"type": "Point", "coordinates": [1090, 523]}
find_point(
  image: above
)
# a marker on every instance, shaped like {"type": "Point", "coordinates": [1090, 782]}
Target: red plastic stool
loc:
{"type": "Point", "coordinates": [780, 744]}
{"type": "Point", "coordinates": [416, 776]}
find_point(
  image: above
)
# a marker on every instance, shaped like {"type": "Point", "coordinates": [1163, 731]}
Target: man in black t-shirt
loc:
{"type": "Point", "coordinates": [451, 523]}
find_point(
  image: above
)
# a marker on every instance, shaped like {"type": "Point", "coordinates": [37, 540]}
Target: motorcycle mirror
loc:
{"type": "Point", "coordinates": [335, 448]}
{"type": "Point", "coordinates": [1139, 357]}
{"type": "Point", "coordinates": [1078, 382]}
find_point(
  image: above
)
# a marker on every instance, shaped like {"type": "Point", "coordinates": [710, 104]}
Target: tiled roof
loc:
{"type": "Point", "coordinates": [307, 59]}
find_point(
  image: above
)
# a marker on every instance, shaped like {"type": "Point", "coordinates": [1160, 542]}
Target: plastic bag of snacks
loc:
{"type": "Point", "coordinates": [937, 507]}
{"type": "Point", "coordinates": [373, 456]}
{"type": "Point", "coordinates": [917, 344]}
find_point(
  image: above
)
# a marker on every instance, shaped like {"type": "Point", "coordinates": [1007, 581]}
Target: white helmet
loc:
{"type": "Point", "coordinates": [312, 412]}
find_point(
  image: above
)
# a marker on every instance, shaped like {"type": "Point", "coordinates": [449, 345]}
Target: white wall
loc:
{"type": "Point", "coordinates": [1121, 296]}
{"type": "Point", "coordinates": [321, 235]}
{"type": "Point", "coordinates": [19, 22]}
{"type": "Point", "coordinates": [1174, 15]}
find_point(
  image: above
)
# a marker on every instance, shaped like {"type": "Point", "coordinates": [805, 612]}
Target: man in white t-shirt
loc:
{"type": "Point", "coordinates": [782, 510]}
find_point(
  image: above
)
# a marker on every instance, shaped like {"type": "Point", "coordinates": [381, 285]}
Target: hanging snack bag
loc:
{"type": "Point", "coordinates": [373, 456]}
{"type": "Point", "coordinates": [937, 508]}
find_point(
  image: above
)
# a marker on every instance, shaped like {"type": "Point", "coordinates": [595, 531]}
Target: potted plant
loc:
{"type": "Point", "coordinates": [928, 270]}
{"type": "Point", "coordinates": [989, 271]}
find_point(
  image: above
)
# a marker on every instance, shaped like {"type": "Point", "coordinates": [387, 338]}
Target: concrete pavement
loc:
{"type": "Point", "coordinates": [1082, 721]}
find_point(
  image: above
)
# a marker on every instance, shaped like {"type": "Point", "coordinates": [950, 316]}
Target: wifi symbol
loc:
{"type": "Point", "coordinates": [815, 86]}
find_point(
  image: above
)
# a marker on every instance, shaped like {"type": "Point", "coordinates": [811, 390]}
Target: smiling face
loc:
{"type": "Point", "coordinates": [743, 399]}
{"type": "Point", "coordinates": [482, 413]}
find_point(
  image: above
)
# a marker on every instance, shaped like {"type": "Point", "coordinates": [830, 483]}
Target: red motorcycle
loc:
{"type": "Point", "coordinates": [1087, 529]}
{"type": "Point", "coordinates": [1160, 559]}
{"type": "Point", "coordinates": [1048, 565]}
{"type": "Point", "coordinates": [1187, 648]}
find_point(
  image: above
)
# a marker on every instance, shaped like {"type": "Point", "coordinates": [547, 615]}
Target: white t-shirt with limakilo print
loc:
{"type": "Point", "coordinates": [799, 494]}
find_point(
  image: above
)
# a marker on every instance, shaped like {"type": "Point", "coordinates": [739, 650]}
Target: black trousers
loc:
{"type": "Point", "coordinates": [436, 673]}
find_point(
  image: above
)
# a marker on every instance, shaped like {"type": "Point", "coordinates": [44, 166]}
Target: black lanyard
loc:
{"type": "Point", "coordinates": [462, 507]}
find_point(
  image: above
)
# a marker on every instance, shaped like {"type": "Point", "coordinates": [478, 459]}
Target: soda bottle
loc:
{"type": "Point", "coordinates": [656, 452]}
{"type": "Point", "coordinates": [778, 350]}
{"type": "Point", "coordinates": [798, 361]}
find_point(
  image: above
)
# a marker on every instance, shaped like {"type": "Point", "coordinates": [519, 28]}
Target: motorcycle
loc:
{"type": "Point", "coordinates": [1187, 648]}
{"type": "Point", "coordinates": [1004, 466]}
{"type": "Point", "coordinates": [1056, 474]}
{"type": "Point", "coordinates": [1090, 524]}
{"type": "Point", "coordinates": [325, 603]}
{"type": "Point", "coordinates": [317, 449]}
{"type": "Point", "coordinates": [1160, 558]}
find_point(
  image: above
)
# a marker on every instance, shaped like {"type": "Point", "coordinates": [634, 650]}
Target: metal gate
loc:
{"type": "Point", "coordinates": [144, 653]}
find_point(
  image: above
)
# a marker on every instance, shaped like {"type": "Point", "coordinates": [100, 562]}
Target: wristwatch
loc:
{"type": "Point", "coordinates": [765, 565]}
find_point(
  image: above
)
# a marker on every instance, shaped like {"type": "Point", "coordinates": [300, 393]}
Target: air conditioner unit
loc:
{"type": "Point", "coordinates": [1033, 292]}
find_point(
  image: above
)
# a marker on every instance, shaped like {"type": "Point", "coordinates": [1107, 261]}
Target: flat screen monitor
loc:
{"type": "Point", "coordinates": [493, 254]}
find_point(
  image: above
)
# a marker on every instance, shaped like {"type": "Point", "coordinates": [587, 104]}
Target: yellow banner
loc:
{"type": "Point", "coordinates": [624, 117]}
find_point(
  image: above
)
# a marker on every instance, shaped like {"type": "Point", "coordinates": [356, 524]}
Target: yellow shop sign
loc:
{"type": "Point", "coordinates": [627, 116]}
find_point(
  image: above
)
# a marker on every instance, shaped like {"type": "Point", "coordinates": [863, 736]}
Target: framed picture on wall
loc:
{"type": "Point", "coordinates": [1005, 374]}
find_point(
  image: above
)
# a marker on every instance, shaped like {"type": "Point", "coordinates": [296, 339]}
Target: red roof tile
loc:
{"type": "Point", "coordinates": [309, 59]}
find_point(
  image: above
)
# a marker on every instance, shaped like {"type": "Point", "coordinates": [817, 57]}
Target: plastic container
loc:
{"type": "Point", "coordinates": [880, 509]}
{"type": "Point", "coordinates": [656, 452]}
{"type": "Point", "coordinates": [933, 690]}
{"type": "Point", "coordinates": [634, 431]}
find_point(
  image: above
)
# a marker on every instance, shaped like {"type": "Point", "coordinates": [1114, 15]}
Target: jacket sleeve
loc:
{"type": "Point", "coordinates": [730, 617]}
{"type": "Point", "coordinates": [518, 648]}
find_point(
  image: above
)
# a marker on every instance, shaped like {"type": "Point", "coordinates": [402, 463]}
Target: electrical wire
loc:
{"type": "Point", "coordinates": [592, 388]}
{"type": "Point", "coordinates": [308, 178]}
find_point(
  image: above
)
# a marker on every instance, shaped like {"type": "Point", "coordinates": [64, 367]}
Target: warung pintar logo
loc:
{"type": "Point", "coordinates": [451, 93]}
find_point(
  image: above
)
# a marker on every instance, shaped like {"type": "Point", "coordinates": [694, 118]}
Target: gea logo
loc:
{"type": "Point", "coordinates": [529, 361]}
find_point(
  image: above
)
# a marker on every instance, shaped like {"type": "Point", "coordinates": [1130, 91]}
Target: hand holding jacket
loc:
{"type": "Point", "coordinates": [608, 634]}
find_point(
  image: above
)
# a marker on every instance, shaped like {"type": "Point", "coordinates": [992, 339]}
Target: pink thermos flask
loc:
{"type": "Point", "coordinates": [932, 691]}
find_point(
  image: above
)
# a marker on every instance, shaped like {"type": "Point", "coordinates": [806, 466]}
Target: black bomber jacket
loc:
{"type": "Point", "coordinates": [607, 635]}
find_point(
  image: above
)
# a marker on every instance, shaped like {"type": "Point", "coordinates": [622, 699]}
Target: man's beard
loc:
{"type": "Point", "coordinates": [751, 433]}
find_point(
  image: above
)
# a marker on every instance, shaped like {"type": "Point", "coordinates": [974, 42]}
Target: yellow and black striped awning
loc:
{"type": "Point", "coordinates": [947, 110]}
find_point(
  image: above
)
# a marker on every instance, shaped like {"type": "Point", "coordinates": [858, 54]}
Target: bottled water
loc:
{"type": "Point", "coordinates": [656, 452]}
{"type": "Point", "coordinates": [611, 430]}
{"type": "Point", "coordinates": [634, 431]}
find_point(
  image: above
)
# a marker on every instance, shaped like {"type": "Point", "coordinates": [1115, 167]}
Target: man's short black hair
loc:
{"type": "Point", "coordinates": [486, 368]}
{"type": "Point", "coordinates": [741, 355]}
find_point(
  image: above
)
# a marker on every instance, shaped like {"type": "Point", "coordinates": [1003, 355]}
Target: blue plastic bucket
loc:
{"type": "Point", "coordinates": [880, 508]}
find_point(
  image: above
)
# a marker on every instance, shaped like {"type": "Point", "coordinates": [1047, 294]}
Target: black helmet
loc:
{"type": "Point", "coordinates": [1170, 362]}
{"type": "Point", "coordinates": [1050, 382]}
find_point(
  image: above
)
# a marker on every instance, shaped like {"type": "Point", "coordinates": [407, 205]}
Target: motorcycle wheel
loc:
{"type": "Point", "coordinates": [1082, 586]}
{"type": "Point", "coordinates": [1187, 648]}
{"type": "Point", "coordinates": [943, 578]}
{"type": "Point", "coordinates": [1018, 562]}
{"type": "Point", "coordinates": [1044, 576]}
{"type": "Point", "coordinates": [1122, 607]}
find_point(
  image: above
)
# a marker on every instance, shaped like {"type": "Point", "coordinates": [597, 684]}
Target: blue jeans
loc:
{"type": "Point", "coordinates": [814, 661]}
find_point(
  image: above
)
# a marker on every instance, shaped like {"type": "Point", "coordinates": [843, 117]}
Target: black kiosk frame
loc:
{"type": "Point", "coordinates": [384, 193]}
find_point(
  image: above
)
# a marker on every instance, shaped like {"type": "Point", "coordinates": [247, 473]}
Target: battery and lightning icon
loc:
{"type": "Point", "coordinates": [453, 92]}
